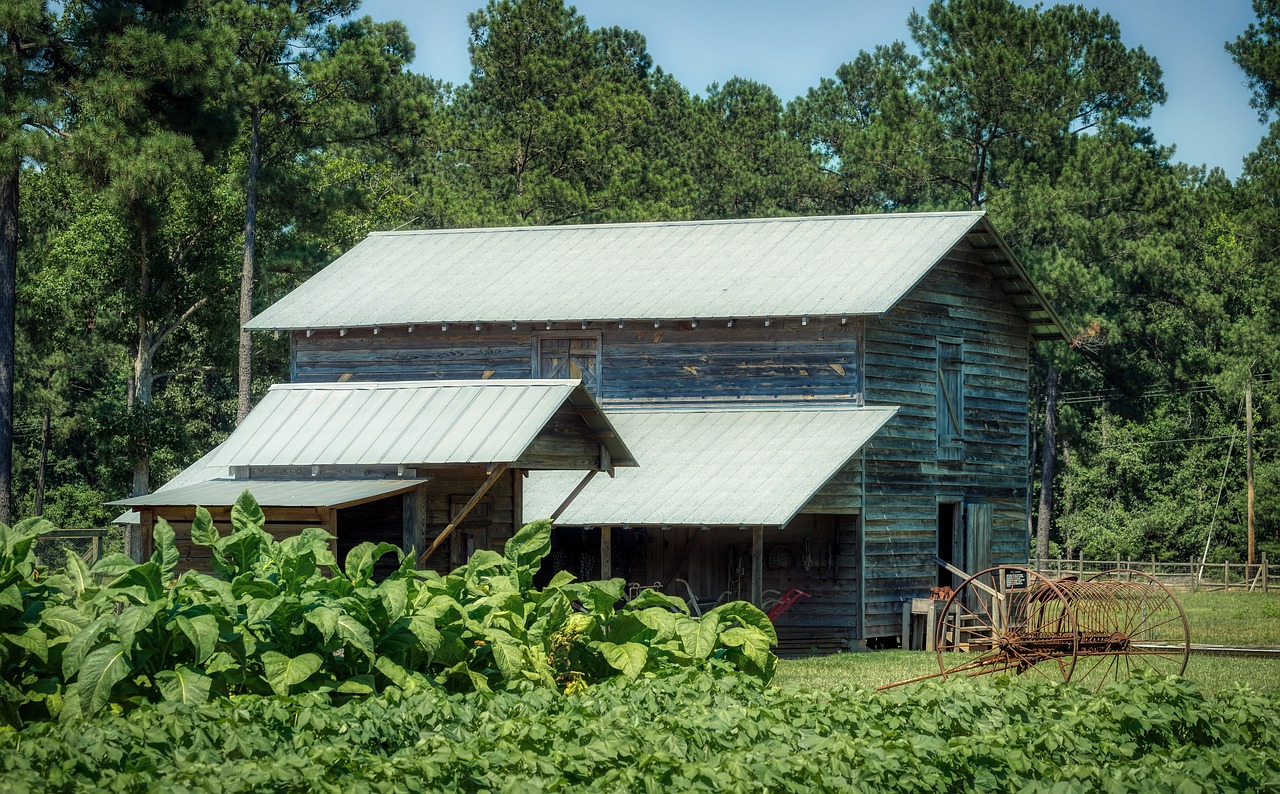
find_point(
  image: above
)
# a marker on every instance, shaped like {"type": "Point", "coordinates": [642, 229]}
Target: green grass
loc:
{"type": "Point", "coordinates": [1215, 618]}
{"type": "Point", "coordinates": [1211, 673]}
{"type": "Point", "coordinates": [1241, 619]}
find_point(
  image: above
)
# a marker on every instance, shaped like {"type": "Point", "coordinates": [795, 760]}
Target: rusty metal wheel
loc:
{"type": "Point", "coordinates": [1129, 621]}
{"type": "Point", "coordinates": [1008, 619]}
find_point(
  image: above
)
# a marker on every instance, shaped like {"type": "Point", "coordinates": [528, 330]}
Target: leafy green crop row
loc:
{"type": "Point", "coordinates": [690, 732]}
{"type": "Point", "coordinates": [283, 617]}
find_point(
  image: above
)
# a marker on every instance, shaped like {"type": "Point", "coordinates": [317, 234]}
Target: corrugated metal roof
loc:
{"type": "Point", "coordinates": [712, 466]}
{"type": "Point", "coordinates": [273, 493]}
{"type": "Point", "coordinates": [404, 423]}
{"type": "Point", "coordinates": [775, 267]}
{"type": "Point", "coordinates": [200, 471]}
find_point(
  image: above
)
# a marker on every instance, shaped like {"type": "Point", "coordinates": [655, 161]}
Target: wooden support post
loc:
{"type": "Point", "coordinates": [147, 525]}
{"type": "Point", "coordinates": [1191, 571]}
{"type": "Point", "coordinates": [1264, 572]}
{"type": "Point", "coordinates": [906, 624]}
{"type": "Point", "coordinates": [574, 494]}
{"type": "Point", "coordinates": [757, 567]}
{"type": "Point", "coordinates": [931, 627]}
{"type": "Point", "coordinates": [1226, 575]}
{"type": "Point", "coordinates": [464, 512]}
{"type": "Point", "coordinates": [606, 552]}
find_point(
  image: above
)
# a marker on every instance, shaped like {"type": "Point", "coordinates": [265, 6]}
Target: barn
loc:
{"type": "Point", "coordinates": [818, 404]}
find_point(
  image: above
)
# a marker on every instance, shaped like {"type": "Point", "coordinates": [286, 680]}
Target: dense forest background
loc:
{"type": "Point", "coordinates": [168, 167]}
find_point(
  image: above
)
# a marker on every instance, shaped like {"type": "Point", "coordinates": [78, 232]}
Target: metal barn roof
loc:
{"type": "Point", "coordinates": [274, 493]}
{"type": "Point", "coordinates": [774, 267]}
{"type": "Point", "coordinates": [407, 423]}
{"type": "Point", "coordinates": [712, 466]}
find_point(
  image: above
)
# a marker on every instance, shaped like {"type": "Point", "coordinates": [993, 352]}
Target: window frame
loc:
{"type": "Point", "coordinates": [950, 448]}
{"type": "Point", "coordinates": [539, 337]}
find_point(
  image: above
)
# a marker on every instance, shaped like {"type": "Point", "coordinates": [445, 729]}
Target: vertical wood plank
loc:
{"type": "Point", "coordinates": [517, 502]}
{"type": "Point", "coordinates": [606, 552]}
{"type": "Point", "coordinates": [757, 566]}
{"type": "Point", "coordinates": [147, 525]}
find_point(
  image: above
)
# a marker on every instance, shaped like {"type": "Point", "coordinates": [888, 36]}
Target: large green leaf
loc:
{"type": "Point", "coordinates": [113, 565]}
{"type": "Point", "coordinates": [146, 576]}
{"type": "Point", "coordinates": [246, 514]}
{"type": "Point", "coordinates": [427, 634]}
{"type": "Point", "coordinates": [135, 619]}
{"type": "Point", "coordinates": [362, 558]}
{"type": "Point", "coordinates": [184, 684]}
{"type": "Point", "coordinates": [78, 572]}
{"type": "Point", "coordinates": [33, 641]}
{"type": "Point", "coordinates": [699, 637]}
{"type": "Point", "coordinates": [81, 643]}
{"type": "Point", "coordinates": [11, 598]}
{"type": "Point", "coordinates": [507, 656]}
{"type": "Point", "coordinates": [661, 620]}
{"type": "Point", "coordinates": [629, 658]}
{"type": "Point", "coordinates": [102, 670]}
{"type": "Point", "coordinates": [526, 549]}
{"type": "Point", "coordinates": [65, 622]}
{"type": "Point", "coordinates": [651, 598]}
{"type": "Point", "coordinates": [323, 618]}
{"type": "Point", "coordinates": [202, 632]}
{"type": "Point", "coordinates": [203, 531]}
{"type": "Point", "coordinates": [283, 672]}
{"type": "Point", "coordinates": [355, 634]}
{"type": "Point", "coordinates": [395, 598]}
{"type": "Point", "coordinates": [747, 615]}
{"type": "Point", "coordinates": [166, 553]}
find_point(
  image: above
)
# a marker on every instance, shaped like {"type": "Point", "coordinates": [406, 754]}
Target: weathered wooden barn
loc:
{"type": "Point", "coordinates": [814, 403]}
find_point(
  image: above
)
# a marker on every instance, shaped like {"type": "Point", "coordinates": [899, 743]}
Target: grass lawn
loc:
{"type": "Point", "coordinates": [1215, 618]}
{"type": "Point", "coordinates": [1244, 619]}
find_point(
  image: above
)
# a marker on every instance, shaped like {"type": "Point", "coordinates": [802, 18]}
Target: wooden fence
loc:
{"type": "Point", "coordinates": [1191, 575]}
{"type": "Point", "coordinates": [50, 548]}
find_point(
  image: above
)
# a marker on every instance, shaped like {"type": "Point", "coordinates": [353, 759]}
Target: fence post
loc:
{"type": "Point", "coordinates": [1191, 574]}
{"type": "Point", "coordinates": [1264, 572]}
{"type": "Point", "coordinates": [1226, 576]}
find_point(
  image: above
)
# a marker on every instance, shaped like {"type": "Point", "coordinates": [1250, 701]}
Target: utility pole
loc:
{"type": "Point", "coordinates": [1248, 436]}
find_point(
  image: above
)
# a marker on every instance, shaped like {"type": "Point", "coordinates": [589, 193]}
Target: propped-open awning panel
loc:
{"type": "Point", "coordinates": [275, 493]}
{"type": "Point", "coordinates": [712, 467]}
{"type": "Point", "coordinates": [404, 423]}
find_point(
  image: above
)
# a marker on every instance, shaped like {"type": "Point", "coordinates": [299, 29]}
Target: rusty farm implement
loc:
{"type": "Point", "coordinates": [1010, 619]}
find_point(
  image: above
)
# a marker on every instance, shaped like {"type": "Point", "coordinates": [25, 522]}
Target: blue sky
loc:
{"type": "Point", "coordinates": [790, 45]}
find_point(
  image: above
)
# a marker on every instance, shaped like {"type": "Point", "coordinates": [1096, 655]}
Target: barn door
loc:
{"type": "Point", "coordinates": [977, 536]}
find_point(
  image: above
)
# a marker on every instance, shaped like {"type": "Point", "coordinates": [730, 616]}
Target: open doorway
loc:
{"type": "Point", "coordinates": [950, 542]}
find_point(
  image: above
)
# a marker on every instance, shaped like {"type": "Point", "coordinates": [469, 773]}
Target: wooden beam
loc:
{"type": "Point", "coordinates": [606, 552]}
{"type": "Point", "coordinates": [574, 494]}
{"type": "Point", "coordinates": [498, 471]}
{"type": "Point", "coordinates": [757, 566]}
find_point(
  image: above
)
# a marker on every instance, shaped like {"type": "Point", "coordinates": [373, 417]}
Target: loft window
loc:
{"type": "Point", "coordinates": [950, 399]}
{"type": "Point", "coordinates": [568, 355]}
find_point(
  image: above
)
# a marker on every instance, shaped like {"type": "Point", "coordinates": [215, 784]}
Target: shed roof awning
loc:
{"type": "Point", "coordinates": [764, 267]}
{"type": "Point", "coordinates": [407, 423]}
{"type": "Point", "coordinates": [274, 493]}
{"type": "Point", "coordinates": [713, 466]}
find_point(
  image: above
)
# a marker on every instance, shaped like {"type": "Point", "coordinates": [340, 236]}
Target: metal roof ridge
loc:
{"type": "Point", "coordinates": [756, 408]}
{"type": "Point", "coordinates": [417, 384]}
{"type": "Point", "coordinates": [698, 222]}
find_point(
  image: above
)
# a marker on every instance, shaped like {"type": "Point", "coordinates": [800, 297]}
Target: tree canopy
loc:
{"type": "Point", "coordinates": [172, 167]}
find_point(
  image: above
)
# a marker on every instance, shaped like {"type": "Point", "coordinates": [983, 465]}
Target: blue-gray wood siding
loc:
{"type": "Point", "coordinates": [788, 359]}
{"type": "Point", "coordinates": [905, 480]}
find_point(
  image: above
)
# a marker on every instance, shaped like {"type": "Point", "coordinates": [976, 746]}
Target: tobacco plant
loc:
{"type": "Point", "coordinates": [283, 617]}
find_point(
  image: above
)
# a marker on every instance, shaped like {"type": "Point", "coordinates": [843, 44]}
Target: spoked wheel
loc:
{"type": "Point", "coordinates": [1008, 620]}
{"type": "Point", "coordinates": [1128, 622]}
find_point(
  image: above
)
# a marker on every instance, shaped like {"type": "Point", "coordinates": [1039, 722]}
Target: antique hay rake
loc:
{"type": "Point", "coordinates": [1010, 619]}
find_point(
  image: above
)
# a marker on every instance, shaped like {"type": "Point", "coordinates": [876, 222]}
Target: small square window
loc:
{"type": "Point", "coordinates": [570, 356]}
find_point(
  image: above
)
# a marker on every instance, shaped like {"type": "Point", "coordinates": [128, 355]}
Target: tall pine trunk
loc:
{"type": "Point", "coordinates": [8, 306]}
{"type": "Point", "coordinates": [1045, 518]}
{"type": "Point", "coordinates": [245, 368]}
{"type": "Point", "coordinates": [45, 437]}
